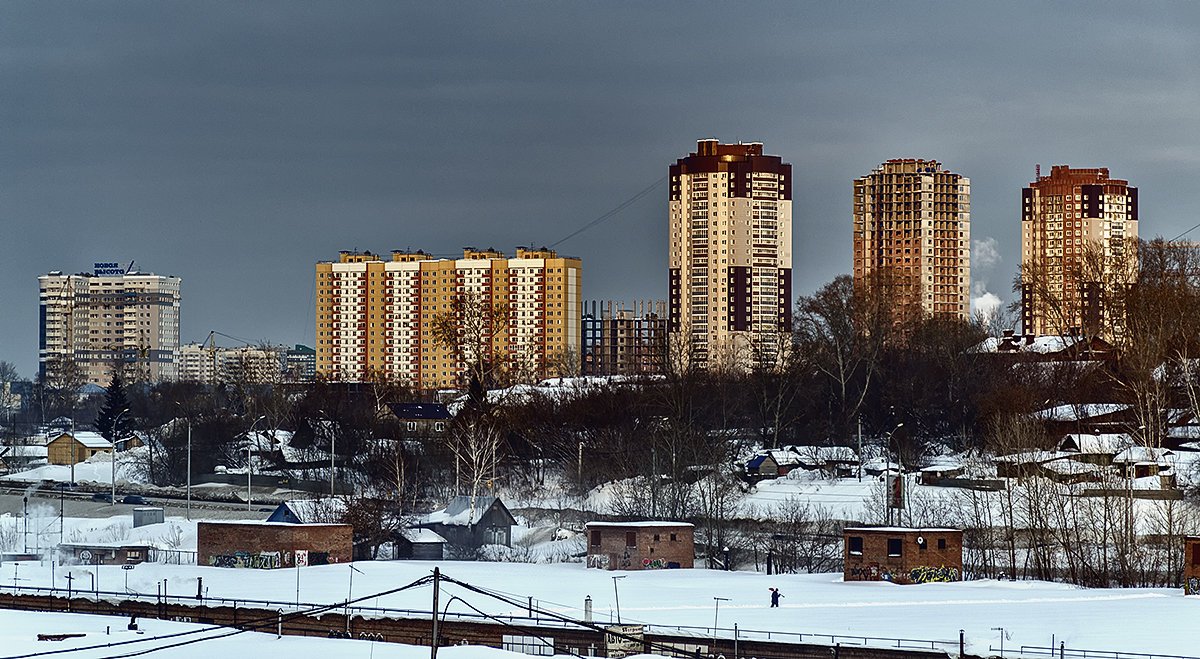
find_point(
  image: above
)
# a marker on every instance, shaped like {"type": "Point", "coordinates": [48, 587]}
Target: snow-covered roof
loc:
{"type": "Point", "coordinates": [901, 529]}
{"type": "Point", "coordinates": [1066, 466]}
{"type": "Point", "coordinates": [1142, 454]}
{"type": "Point", "coordinates": [459, 512]}
{"type": "Point", "coordinates": [820, 455]}
{"type": "Point", "coordinates": [639, 524]}
{"type": "Point", "coordinates": [89, 439]}
{"type": "Point", "coordinates": [419, 411]}
{"type": "Point", "coordinates": [1031, 456]}
{"type": "Point", "coordinates": [419, 536]}
{"type": "Point", "coordinates": [1041, 345]}
{"type": "Point", "coordinates": [23, 451]}
{"type": "Point", "coordinates": [311, 511]}
{"type": "Point", "coordinates": [1079, 412]}
{"type": "Point", "coordinates": [1101, 444]}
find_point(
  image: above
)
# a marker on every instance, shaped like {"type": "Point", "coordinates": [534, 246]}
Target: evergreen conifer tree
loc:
{"type": "Point", "coordinates": [111, 422]}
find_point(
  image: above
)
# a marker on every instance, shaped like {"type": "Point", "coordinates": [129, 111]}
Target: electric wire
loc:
{"type": "Point", "coordinates": [250, 625]}
{"type": "Point", "coordinates": [622, 206]}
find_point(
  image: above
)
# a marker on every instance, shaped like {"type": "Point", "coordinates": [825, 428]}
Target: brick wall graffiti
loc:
{"type": "Point", "coordinates": [656, 564]}
{"type": "Point", "coordinates": [1192, 586]}
{"type": "Point", "coordinates": [241, 559]}
{"type": "Point", "coordinates": [929, 574]}
{"type": "Point", "coordinates": [598, 561]}
{"type": "Point", "coordinates": [869, 572]}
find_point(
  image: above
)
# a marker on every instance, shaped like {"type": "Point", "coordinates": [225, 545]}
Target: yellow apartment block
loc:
{"type": "Point", "coordinates": [375, 316]}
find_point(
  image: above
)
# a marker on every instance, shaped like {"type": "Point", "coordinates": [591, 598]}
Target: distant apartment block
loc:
{"type": "Point", "coordinates": [521, 314]}
{"type": "Point", "coordinates": [1079, 230]}
{"type": "Point", "coordinates": [300, 364]}
{"type": "Point", "coordinates": [912, 236]}
{"type": "Point", "coordinates": [624, 340]}
{"type": "Point", "coordinates": [730, 256]}
{"type": "Point", "coordinates": [112, 318]}
{"type": "Point", "coordinates": [210, 364]}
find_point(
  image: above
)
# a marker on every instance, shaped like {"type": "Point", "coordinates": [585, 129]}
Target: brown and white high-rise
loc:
{"type": "Point", "coordinates": [912, 234]}
{"type": "Point", "coordinates": [1078, 234]}
{"type": "Point", "coordinates": [730, 267]}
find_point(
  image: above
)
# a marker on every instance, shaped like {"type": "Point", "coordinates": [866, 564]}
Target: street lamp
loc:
{"type": "Point", "coordinates": [114, 469]}
{"type": "Point", "coordinates": [617, 596]}
{"type": "Point", "coordinates": [249, 435]}
{"type": "Point", "coordinates": [717, 612]}
{"type": "Point", "coordinates": [115, 441]}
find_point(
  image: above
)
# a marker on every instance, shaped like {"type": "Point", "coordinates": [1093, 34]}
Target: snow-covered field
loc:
{"type": "Point", "coordinates": [19, 630]}
{"type": "Point", "coordinates": [1160, 621]}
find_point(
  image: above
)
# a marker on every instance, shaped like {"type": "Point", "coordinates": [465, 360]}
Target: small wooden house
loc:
{"type": "Point", "coordinates": [68, 448]}
{"type": "Point", "coordinates": [419, 544]}
{"type": "Point", "coordinates": [902, 555]}
{"type": "Point", "coordinates": [428, 419]}
{"type": "Point", "coordinates": [487, 522]}
{"type": "Point", "coordinates": [640, 545]}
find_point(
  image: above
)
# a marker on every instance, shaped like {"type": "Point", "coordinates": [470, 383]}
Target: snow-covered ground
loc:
{"type": "Point", "coordinates": [1032, 613]}
{"type": "Point", "coordinates": [19, 631]}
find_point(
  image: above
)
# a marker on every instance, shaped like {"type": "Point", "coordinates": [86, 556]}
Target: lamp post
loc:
{"type": "Point", "coordinates": [717, 612]}
{"type": "Point", "coordinates": [617, 597]}
{"type": "Point", "coordinates": [115, 441]}
{"type": "Point", "coordinates": [114, 469]}
{"type": "Point", "coordinates": [249, 470]}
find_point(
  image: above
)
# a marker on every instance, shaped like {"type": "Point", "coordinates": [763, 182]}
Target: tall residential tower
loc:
{"type": "Point", "coordinates": [912, 231]}
{"type": "Point", "coordinates": [114, 318]}
{"type": "Point", "coordinates": [730, 269]}
{"type": "Point", "coordinates": [1079, 229]}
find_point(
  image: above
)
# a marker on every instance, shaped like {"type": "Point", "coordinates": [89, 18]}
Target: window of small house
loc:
{"type": "Point", "coordinates": [1196, 554]}
{"type": "Point", "coordinates": [656, 537]}
{"type": "Point", "coordinates": [894, 546]}
{"type": "Point", "coordinates": [630, 539]}
{"type": "Point", "coordinates": [856, 545]}
{"type": "Point", "coordinates": [673, 539]}
{"type": "Point", "coordinates": [595, 538]}
{"type": "Point", "coordinates": [941, 543]}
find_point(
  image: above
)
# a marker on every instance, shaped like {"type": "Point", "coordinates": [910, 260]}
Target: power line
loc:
{"type": "Point", "coordinates": [250, 625]}
{"type": "Point", "coordinates": [622, 206]}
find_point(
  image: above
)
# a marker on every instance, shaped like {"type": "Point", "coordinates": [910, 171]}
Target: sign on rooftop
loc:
{"type": "Point", "coordinates": [108, 269]}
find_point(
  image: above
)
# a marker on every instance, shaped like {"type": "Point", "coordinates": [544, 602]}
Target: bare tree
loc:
{"type": "Point", "coordinates": [467, 331]}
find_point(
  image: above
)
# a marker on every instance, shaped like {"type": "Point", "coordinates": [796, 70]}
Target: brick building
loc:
{"type": "Point", "coordinates": [272, 544]}
{"type": "Point", "coordinates": [1191, 565]}
{"type": "Point", "coordinates": [640, 545]}
{"type": "Point", "coordinates": [902, 555]}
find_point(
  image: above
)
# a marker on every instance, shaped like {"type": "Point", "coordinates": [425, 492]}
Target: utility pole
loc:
{"type": "Point", "coordinates": [433, 645]}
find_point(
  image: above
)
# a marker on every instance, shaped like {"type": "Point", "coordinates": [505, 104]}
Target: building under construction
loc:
{"type": "Point", "coordinates": [624, 340]}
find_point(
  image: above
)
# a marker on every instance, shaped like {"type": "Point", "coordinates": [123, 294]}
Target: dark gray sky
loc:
{"type": "Point", "coordinates": [235, 144]}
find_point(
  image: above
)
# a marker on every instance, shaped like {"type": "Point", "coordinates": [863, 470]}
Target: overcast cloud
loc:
{"type": "Point", "coordinates": [235, 144]}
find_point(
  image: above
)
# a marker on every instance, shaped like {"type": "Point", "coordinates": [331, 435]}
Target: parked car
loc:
{"type": "Point", "coordinates": [63, 486]}
{"type": "Point", "coordinates": [102, 496]}
{"type": "Point", "coordinates": [135, 499]}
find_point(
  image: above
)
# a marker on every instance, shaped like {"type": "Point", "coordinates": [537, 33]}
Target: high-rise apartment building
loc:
{"type": "Point", "coordinates": [620, 339]}
{"type": "Point", "coordinates": [1078, 234]}
{"type": "Point", "coordinates": [730, 269]}
{"type": "Point", "coordinates": [111, 318]}
{"type": "Point", "coordinates": [912, 235]}
{"type": "Point", "coordinates": [375, 316]}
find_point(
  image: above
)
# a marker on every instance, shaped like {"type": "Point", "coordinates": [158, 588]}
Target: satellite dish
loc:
{"type": "Point", "coordinates": [921, 540]}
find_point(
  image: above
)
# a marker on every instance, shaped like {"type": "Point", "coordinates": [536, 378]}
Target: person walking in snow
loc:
{"type": "Point", "coordinates": [775, 595]}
